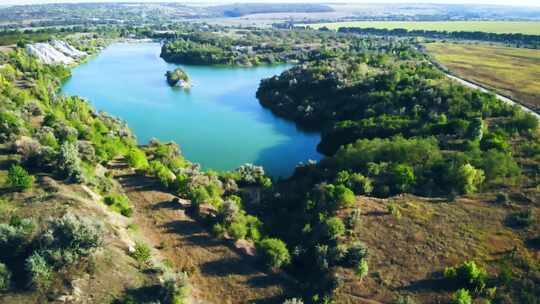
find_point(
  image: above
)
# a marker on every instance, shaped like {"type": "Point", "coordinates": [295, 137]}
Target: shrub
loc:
{"type": "Point", "coordinates": [238, 230]}
{"type": "Point", "coordinates": [403, 178]}
{"type": "Point", "coordinates": [119, 203]}
{"type": "Point", "coordinates": [355, 254]}
{"type": "Point", "coordinates": [40, 272]}
{"type": "Point", "coordinates": [353, 219]}
{"type": "Point", "coordinates": [502, 198]}
{"type": "Point", "coordinates": [69, 238]}
{"type": "Point", "coordinates": [520, 219]}
{"type": "Point", "coordinates": [274, 252]}
{"type": "Point", "coordinates": [360, 184]}
{"type": "Point", "coordinates": [18, 178]}
{"type": "Point", "coordinates": [333, 228]}
{"type": "Point", "coordinates": [362, 269]}
{"type": "Point", "coordinates": [470, 178]}
{"type": "Point", "coordinates": [462, 296]}
{"type": "Point", "coordinates": [393, 209]}
{"type": "Point", "coordinates": [175, 289]}
{"type": "Point", "coordinates": [344, 196]}
{"type": "Point", "coordinates": [467, 275]}
{"type": "Point", "coordinates": [15, 236]}
{"type": "Point", "coordinates": [5, 277]}
{"type": "Point", "coordinates": [161, 172]}
{"type": "Point", "coordinates": [136, 158]}
{"type": "Point", "coordinates": [69, 162]}
{"type": "Point", "coordinates": [142, 254]}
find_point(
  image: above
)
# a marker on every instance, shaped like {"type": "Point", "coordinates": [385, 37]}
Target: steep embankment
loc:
{"type": "Point", "coordinates": [218, 273]}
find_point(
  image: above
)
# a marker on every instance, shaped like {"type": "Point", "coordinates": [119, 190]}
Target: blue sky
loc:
{"type": "Point", "coordinates": [495, 2]}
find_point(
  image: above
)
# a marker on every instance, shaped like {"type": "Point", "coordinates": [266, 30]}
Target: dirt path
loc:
{"type": "Point", "coordinates": [218, 273]}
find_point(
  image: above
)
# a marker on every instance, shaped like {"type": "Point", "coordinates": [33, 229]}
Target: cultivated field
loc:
{"type": "Point", "coordinates": [524, 27]}
{"type": "Point", "coordinates": [514, 72]}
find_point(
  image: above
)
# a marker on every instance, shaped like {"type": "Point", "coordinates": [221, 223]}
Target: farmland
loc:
{"type": "Point", "coordinates": [514, 72]}
{"type": "Point", "coordinates": [498, 27]}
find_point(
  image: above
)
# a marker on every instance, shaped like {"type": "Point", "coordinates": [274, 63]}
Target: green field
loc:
{"type": "Point", "coordinates": [499, 27]}
{"type": "Point", "coordinates": [515, 72]}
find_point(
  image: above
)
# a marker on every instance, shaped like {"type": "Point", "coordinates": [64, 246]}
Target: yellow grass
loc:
{"type": "Point", "coordinates": [515, 72]}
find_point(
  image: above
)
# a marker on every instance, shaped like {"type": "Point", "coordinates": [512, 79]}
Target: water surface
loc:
{"type": "Point", "coordinates": [218, 123]}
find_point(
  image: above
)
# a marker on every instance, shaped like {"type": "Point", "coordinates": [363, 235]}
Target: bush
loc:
{"type": "Point", "coordinates": [467, 275]}
{"type": "Point", "coordinates": [142, 254]}
{"type": "Point", "coordinates": [360, 184]}
{"type": "Point", "coordinates": [520, 219]}
{"type": "Point", "coordinates": [69, 238]}
{"type": "Point", "coordinates": [470, 178]}
{"type": "Point", "coordinates": [393, 209]}
{"type": "Point", "coordinates": [136, 158]}
{"type": "Point", "coordinates": [353, 219]}
{"type": "Point", "coordinates": [175, 289]}
{"type": "Point", "coordinates": [274, 252]}
{"type": "Point", "coordinates": [462, 296]}
{"type": "Point", "coordinates": [69, 162]}
{"type": "Point", "coordinates": [238, 230]}
{"type": "Point", "coordinates": [40, 272]}
{"type": "Point", "coordinates": [362, 269]}
{"type": "Point", "coordinates": [355, 254]}
{"type": "Point", "coordinates": [333, 228]}
{"type": "Point", "coordinates": [119, 203]}
{"type": "Point", "coordinates": [344, 196]}
{"type": "Point", "coordinates": [502, 198]}
{"type": "Point", "coordinates": [5, 277]}
{"type": "Point", "coordinates": [15, 236]}
{"type": "Point", "coordinates": [18, 178]}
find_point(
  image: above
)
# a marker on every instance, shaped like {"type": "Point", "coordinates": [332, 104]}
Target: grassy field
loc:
{"type": "Point", "coordinates": [530, 28]}
{"type": "Point", "coordinates": [514, 72]}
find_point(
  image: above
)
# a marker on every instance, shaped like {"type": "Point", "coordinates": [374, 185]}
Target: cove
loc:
{"type": "Point", "coordinates": [218, 123]}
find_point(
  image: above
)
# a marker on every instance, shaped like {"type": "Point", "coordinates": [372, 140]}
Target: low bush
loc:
{"type": "Point", "coordinates": [70, 238]}
{"type": "Point", "coordinates": [5, 277]}
{"type": "Point", "coordinates": [136, 158]}
{"type": "Point", "coordinates": [119, 203]}
{"type": "Point", "coordinates": [462, 296]}
{"type": "Point", "coordinates": [274, 253]}
{"type": "Point", "coordinates": [40, 272]}
{"type": "Point", "coordinates": [15, 236]}
{"type": "Point", "coordinates": [142, 254]}
{"type": "Point", "coordinates": [362, 269]}
{"type": "Point", "coordinates": [520, 219]}
{"type": "Point", "coordinates": [19, 179]}
{"type": "Point", "coordinates": [175, 289]}
{"type": "Point", "coordinates": [393, 209]}
{"type": "Point", "coordinates": [467, 275]}
{"type": "Point", "coordinates": [333, 228]}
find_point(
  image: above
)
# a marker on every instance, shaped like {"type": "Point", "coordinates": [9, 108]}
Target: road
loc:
{"type": "Point", "coordinates": [500, 97]}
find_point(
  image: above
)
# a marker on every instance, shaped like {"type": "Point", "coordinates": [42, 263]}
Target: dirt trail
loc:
{"type": "Point", "coordinates": [218, 273]}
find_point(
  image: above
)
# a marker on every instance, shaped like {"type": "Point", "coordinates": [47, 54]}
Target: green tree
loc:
{"type": "Point", "coordinates": [19, 179]}
{"type": "Point", "coordinates": [470, 178]}
{"type": "Point", "coordinates": [333, 228]}
{"type": "Point", "coordinates": [274, 252]}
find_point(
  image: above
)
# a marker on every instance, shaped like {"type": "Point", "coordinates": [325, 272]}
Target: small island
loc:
{"type": "Point", "coordinates": [178, 78]}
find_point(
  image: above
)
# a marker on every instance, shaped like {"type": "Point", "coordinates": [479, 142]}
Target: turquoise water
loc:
{"type": "Point", "coordinates": [218, 123]}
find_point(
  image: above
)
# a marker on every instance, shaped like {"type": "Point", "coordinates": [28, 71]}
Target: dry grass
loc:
{"type": "Point", "coordinates": [407, 254]}
{"type": "Point", "coordinates": [514, 72]}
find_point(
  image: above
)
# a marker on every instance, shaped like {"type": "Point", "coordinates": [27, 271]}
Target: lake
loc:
{"type": "Point", "coordinates": [218, 123]}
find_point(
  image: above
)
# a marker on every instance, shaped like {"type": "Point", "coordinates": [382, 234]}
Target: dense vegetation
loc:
{"type": "Point", "coordinates": [521, 40]}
